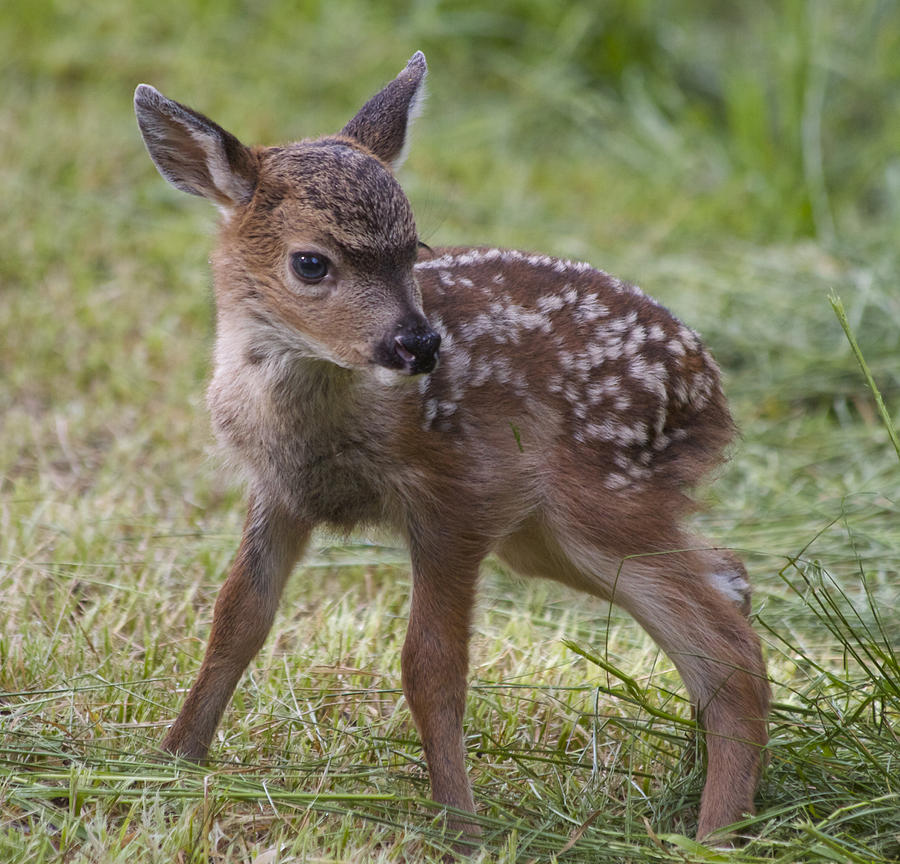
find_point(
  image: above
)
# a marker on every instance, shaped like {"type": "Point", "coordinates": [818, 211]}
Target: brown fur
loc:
{"type": "Point", "coordinates": [562, 429]}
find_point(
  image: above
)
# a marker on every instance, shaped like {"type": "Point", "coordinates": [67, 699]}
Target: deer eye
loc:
{"type": "Point", "coordinates": [309, 267]}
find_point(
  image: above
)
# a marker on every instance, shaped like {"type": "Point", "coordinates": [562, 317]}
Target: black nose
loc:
{"type": "Point", "coordinates": [417, 348]}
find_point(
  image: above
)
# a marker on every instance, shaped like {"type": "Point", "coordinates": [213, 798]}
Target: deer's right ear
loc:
{"type": "Point", "coordinates": [193, 153]}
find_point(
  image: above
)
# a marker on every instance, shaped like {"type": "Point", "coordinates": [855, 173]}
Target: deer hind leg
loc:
{"type": "Point", "coordinates": [694, 605]}
{"type": "Point", "coordinates": [435, 661]}
{"type": "Point", "coordinates": [706, 635]}
{"type": "Point", "coordinates": [242, 618]}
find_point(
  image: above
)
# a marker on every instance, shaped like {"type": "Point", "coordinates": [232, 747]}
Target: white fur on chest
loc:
{"type": "Point", "coordinates": [293, 425]}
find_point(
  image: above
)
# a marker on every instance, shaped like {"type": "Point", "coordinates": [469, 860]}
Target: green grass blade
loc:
{"type": "Point", "coordinates": [838, 308]}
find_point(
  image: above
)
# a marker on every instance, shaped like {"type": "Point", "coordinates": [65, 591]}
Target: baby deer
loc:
{"type": "Point", "coordinates": [567, 417]}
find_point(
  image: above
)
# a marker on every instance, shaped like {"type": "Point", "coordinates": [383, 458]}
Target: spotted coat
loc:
{"type": "Point", "coordinates": [624, 381]}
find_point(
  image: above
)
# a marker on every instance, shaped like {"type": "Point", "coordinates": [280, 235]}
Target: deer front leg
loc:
{"type": "Point", "coordinates": [435, 664]}
{"type": "Point", "coordinates": [271, 543]}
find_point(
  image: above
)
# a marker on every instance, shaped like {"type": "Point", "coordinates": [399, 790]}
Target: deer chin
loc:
{"type": "Point", "coordinates": [391, 377]}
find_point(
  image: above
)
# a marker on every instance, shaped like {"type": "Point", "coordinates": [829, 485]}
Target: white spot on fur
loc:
{"type": "Point", "coordinates": [652, 376]}
{"type": "Point", "coordinates": [550, 303]}
{"type": "Point", "coordinates": [431, 409]}
{"type": "Point", "coordinates": [596, 354]}
{"type": "Point", "coordinates": [637, 434]}
{"type": "Point", "coordinates": [595, 393]}
{"type": "Point", "coordinates": [583, 366]}
{"type": "Point", "coordinates": [612, 430]}
{"type": "Point", "coordinates": [478, 326]}
{"type": "Point", "coordinates": [701, 388]}
{"type": "Point", "coordinates": [612, 383]}
{"type": "Point", "coordinates": [733, 585]}
{"type": "Point", "coordinates": [637, 368]}
{"type": "Point", "coordinates": [590, 309]}
{"type": "Point", "coordinates": [501, 370]}
{"type": "Point", "coordinates": [603, 431]}
{"type": "Point", "coordinates": [615, 481]}
{"type": "Point", "coordinates": [660, 423]}
{"type": "Point", "coordinates": [689, 337]}
{"type": "Point", "coordinates": [636, 472]}
{"type": "Point", "coordinates": [636, 339]}
{"type": "Point", "coordinates": [482, 374]}
{"type": "Point", "coordinates": [529, 320]}
{"type": "Point", "coordinates": [447, 340]}
{"type": "Point", "coordinates": [460, 360]}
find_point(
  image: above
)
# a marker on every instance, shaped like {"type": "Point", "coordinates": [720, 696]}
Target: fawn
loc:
{"type": "Point", "coordinates": [567, 417]}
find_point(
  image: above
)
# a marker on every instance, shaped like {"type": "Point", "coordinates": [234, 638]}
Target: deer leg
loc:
{"type": "Point", "coordinates": [435, 663]}
{"type": "Point", "coordinates": [245, 608]}
{"type": "Point", "coordinates": [703, 631]}
{"type": "Point", "coordinates": [694, 605]}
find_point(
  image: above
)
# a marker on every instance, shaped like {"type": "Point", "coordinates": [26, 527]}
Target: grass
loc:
{"type": "Point", "coordinates": [739, 167]}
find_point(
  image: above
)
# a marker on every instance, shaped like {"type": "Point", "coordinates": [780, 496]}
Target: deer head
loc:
{"type": "Point", "coordinates": [317, 241]}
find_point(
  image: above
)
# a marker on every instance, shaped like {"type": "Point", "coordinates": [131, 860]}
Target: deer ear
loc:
{"type": "Point", "coordinates": [193, 153]}
{"type": "Point", "coordinates": [382, 124]}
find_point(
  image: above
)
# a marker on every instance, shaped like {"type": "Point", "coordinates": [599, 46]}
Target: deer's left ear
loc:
{"type": "Point", "coordinates": [382, 124]}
